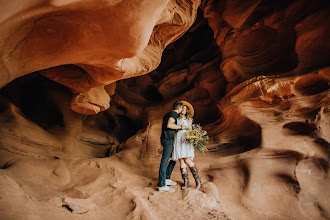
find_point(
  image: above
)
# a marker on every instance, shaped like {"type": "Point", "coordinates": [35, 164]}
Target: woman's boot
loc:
{"type": "Point", "coordinates": [196, 176]}
{"type": "Point", "coordinates": [184, 173]}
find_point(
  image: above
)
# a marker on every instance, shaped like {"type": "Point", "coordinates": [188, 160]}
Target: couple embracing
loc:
{"type": "Point", "coordinates": [175, 124]}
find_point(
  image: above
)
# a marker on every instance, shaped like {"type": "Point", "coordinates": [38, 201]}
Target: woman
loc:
{"type": "Point", "coordinates": [184, 151]}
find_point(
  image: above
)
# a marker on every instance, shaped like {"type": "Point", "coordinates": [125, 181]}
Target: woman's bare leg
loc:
{"type": "Point", "coordinates": [189, 162]}
{"type": "Point", "coordinates": [182, 163]}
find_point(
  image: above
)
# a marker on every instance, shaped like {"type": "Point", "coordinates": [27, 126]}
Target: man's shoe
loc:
{"type": "Point", "coordinates": [169, 182]}
{"type": "Point", "coordinates": [165, 189]}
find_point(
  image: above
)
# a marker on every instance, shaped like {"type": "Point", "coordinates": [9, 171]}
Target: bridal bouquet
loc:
{"type": "Point", "coordinates": [197, 137]}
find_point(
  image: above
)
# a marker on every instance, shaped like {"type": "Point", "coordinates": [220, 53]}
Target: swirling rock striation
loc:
{"type": "Point", "coordinates": [107, 41]}
{"type": "Point", "coordinates": [257, 73]}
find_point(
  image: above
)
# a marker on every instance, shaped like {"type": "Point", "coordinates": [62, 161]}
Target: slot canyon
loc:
{"type": "Point", "coordinates": [84, 86]}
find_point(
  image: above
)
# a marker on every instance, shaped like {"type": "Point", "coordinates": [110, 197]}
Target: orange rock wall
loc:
{"type": "Point", "coordinates": [257, 73]}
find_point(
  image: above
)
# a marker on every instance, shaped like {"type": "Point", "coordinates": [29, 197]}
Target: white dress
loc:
{"type": "Point", "coordinates": [182, 148]}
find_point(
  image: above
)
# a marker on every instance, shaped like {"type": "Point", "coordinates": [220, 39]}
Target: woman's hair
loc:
{"type": "Point", "coordinates": [188, 115]}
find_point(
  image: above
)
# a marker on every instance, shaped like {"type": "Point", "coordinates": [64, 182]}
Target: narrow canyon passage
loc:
{"type": "Point", "coordinates": [84, 86]}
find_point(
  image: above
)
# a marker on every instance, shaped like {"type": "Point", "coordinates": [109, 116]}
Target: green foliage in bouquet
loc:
{"type": "Point", "coordinates": [197, 137]}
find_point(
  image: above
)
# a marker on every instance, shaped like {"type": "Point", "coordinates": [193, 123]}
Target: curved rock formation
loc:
{"type": "Point", "coordinates": [257, 73]}
{"type": "Point", "coordinates": [287, 177]}
{"type": "Point", "coordinates": [107, 41]}
{"type": "Point", "coordinates": [282, 38]}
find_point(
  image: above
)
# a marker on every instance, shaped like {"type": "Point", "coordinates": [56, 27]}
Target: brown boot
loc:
{"type": "Point", "coordinates": [196, 176]}
{"type": "Point", "coordinates": [184, 173]}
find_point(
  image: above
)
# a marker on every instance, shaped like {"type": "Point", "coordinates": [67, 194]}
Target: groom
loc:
{"type": "Point", "coordinates": [169, 128]}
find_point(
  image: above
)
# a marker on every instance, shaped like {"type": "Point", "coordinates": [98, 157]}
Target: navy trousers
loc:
{"type": "Point", "coordinates": [165, 170]}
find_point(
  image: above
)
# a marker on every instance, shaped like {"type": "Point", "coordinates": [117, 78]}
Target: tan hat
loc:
{"type": "Point", "coordinates": [191, 109]}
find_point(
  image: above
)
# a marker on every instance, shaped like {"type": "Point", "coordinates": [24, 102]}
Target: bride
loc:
{"type": "Point", "coordinates": [184, 151]}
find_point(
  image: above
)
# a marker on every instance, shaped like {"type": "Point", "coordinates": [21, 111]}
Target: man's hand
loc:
{"type": "Point", "coordinates": [171, 124]}
{"type": "Point", "coordinates": [184, 127]}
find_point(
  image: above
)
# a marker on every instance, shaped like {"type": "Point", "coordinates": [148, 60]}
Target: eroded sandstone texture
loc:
{"type": "Point", "coordinates": [257, 73]}
{"type": "Point", "coordinates": [106, 40]}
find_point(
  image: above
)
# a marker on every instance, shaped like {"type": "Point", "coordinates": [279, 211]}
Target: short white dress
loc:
{"type": "Point", "coordinates": [182, 148]}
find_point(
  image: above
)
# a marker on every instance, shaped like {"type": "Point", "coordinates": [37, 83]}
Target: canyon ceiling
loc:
{"type": "Point", "coordinates": [85, 84]}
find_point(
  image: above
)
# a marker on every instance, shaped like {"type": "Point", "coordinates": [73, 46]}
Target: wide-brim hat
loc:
{"type": "Point", "coordinates": [191, 109]}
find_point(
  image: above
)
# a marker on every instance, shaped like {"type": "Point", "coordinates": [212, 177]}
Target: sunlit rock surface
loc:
{"type": "Point", "coordinates": [257, 73]}
{"type": "Point", "coordinates": [105, 40]}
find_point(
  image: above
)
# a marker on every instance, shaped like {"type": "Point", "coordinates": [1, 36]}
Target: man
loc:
{"type": "Point", "coordinates": [169, 128]}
